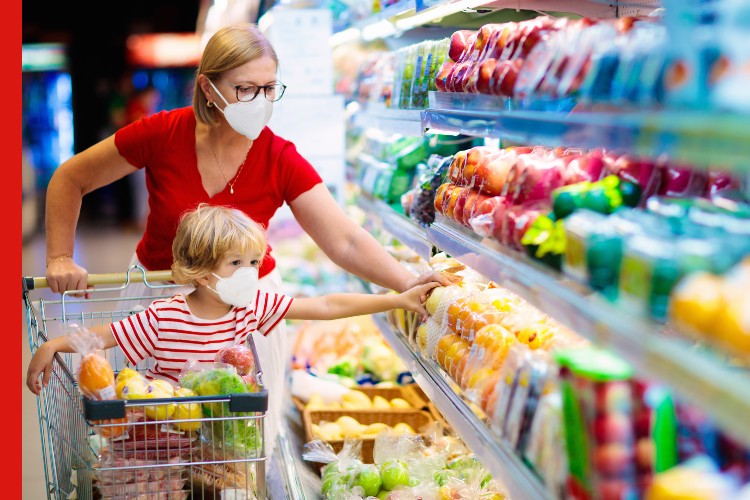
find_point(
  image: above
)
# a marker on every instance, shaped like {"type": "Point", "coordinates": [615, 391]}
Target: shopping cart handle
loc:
{"type": "Point", "coordinates": [32, 283]}
{"type": "Point", "coordinates": [115, 408]}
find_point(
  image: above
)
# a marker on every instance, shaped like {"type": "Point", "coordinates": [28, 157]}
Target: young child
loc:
{"type": "Point", "coordinates": [218, 251]}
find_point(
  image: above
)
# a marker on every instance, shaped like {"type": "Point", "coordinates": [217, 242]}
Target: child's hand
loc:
{"type": "Point", "coordinates": [414, 298]}
{"type": "Point", "coordinates": [41, 362]}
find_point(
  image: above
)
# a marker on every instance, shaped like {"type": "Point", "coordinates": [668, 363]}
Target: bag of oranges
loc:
{"type": "Point", "coordinates": [96, 380]}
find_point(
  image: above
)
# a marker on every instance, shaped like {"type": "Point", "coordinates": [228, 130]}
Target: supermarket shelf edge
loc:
{"type": "Point", "coordinates": [697, 138]}
{"type": "Point", "coordinates": [700, 378]}
{"type": "Point", "coordinates": [502, 462]}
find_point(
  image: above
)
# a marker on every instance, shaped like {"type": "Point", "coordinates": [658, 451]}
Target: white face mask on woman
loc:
{"type": "Point", "coordinates": [247, 118]}
{"type": "Point", "coordinates": [239, 289]}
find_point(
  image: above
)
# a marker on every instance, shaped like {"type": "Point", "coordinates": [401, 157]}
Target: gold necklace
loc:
{"type": "Point", "coordinates": [237, 175]}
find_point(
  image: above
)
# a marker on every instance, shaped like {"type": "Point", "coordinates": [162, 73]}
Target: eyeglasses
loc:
{"type": "Point", "coordinates": [247, 93]}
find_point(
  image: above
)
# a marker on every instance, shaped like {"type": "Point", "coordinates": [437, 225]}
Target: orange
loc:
{"type": "Point", "coordinates": [111, 432]}
{"type": "Point", "coordinates": [96, 378]}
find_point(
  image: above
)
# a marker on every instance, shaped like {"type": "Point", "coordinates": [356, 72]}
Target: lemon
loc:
{"type": "Point", "coordinates": [400, 403]}
{"type": "Point", "coordinates": [126, 374]}
{"type": "Point", "coordinates": [160, 389]}
{"type": "Point", "coordinates": [187, 411]}
{"type": "Point", "coordinates": [132, 388]}
{"type": "Point", "coordinates": [380, 403]}
{"type": "Point", "coordinates": [356, 399]}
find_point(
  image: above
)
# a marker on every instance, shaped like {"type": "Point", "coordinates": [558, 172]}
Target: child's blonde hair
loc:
{"type": "Point", "coordinates": [206, 234]}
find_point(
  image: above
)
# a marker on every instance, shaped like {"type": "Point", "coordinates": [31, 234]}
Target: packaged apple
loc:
{"type": "Point", "coordinates": [598, 406]}
{"type": "Point", "coordinates": [220, 379]}
{"type": "Point", "coordinates": [339, 470]}
{"type": "Point", "coordinates": [545, 449]}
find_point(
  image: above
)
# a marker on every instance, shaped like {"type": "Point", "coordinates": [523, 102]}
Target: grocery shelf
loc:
{"type": "Point", "coordinates": [700, 376]}
{"type": "Point", "coordinates": [702, 139]}
{"type": "Point", "coordinates": [408, 14]}
{"type": "Point", "coordinates": [406, 230]}
{"type": "Point", "coordinates": [396, 121]}
{"type": "Point", "coordinates": [497, 456]}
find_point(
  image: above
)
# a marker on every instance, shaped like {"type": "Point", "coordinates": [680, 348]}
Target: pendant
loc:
{"type": "Point", "coordinates": [231, 190]}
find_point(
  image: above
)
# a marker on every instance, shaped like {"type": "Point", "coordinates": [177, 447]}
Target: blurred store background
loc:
{"type": "Point", "coordinates": [83, 79]}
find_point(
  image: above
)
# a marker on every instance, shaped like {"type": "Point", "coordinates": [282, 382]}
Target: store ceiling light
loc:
{"type": "Point", "coordinates": [380, 29]}
{"type": "Point", "coordinates": [437, 12]}
{"type": "Point", "coordinates": [344, 36]}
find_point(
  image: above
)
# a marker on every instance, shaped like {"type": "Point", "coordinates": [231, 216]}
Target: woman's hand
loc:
{"type": "Point", "coordinates": [414, 298]}
{"type": "Point", "coordinates": [442, 279]}
{"type": "Point", "coordinates": [40, 363]}
{"type": "Point", "coordinates": [64, 274]}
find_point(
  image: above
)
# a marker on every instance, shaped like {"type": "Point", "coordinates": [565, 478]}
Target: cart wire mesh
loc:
{"type": "Point", "coordinates": [194, 447]}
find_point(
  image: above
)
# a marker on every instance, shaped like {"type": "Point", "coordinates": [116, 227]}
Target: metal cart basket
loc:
{"type": "Point", "coordinates": [194, 447]}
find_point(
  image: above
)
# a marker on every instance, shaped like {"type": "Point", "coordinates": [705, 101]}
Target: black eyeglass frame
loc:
{"type": "Point", "coordinates": [258, 88]}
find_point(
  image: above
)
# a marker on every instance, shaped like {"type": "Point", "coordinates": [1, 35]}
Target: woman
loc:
{"type": "Point", "coordinates": [218, 151]}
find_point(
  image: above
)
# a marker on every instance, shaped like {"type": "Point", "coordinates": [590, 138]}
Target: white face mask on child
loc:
{"type": "Point", "coordinates": [240, 288]}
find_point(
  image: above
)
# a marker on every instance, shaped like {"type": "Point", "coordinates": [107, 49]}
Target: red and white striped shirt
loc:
{"type": "Point", "coordinates": [168, 332]}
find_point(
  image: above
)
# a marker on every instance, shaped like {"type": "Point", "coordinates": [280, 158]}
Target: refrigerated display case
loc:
{"type": "Point", "coordinates": [670, 124]}
{"type": "Point", "coordinates": [47, 108]}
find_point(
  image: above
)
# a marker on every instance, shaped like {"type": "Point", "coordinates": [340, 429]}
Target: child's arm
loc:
{"type": "Point", "coordinates": [45, 355]}
{"type": "Point", "coordinates": [344, 305]}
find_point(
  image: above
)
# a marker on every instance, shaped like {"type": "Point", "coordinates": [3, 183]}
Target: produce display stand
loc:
{"type": "Point", "coordinates": [119, 448]}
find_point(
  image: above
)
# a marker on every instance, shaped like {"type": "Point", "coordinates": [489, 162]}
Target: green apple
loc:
{"type": "Point", "coordinates": [394, 474]}
{"type": "Point", "coordinates": [368, 478]}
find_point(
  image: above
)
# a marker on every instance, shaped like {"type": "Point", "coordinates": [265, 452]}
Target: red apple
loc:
{"type": "Point", "coordinates": [458, 210]}
{"type": "Point", "coordinates": [486, 70]}
{"type": "Point", "coordinates": [481, 219]}
{"type": "Point", "coordinates": [625, 24]}
{"type": "Point", "coordinates": [458, 43]}
{"type": "Point", "coordinates": [613, 489]}
{"type": "Point", "coordinates": [441, 80]}
{"type": "Point", "coordinates": [612, 427]}
{"type": "Point", "coordinates": [718, 181]}
{"type": "Point", "coordinates": [612, 459]}
{"type": "Point", "coordinates": [645, 173]}
{"type": "Point", "coordinates": [239, 356]}
{"type": "Point", "coordinates": [504, 77]}
{"type": "Point", "coordinates": [471, 78]}
{"type": "Point", "coordinates": [682, 182]}
{"type": "Point", "coordinates": [589, 167]}
{"type": "Point", "coordinates": [491, 178]}
{"type": "Point", "coordinates": [471, 206]}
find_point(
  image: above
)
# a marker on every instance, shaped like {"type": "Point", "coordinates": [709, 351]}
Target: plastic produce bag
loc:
{"type": "Point", "coordinates": [96, 380]}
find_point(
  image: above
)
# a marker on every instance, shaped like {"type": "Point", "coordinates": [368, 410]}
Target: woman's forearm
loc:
{"type": "Point", "coordinates": [62, 211]}
{"type": "Point", "coordinates": [365, 257]}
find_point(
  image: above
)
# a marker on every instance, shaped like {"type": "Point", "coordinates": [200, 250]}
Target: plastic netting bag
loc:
{"type": "Point", "coordinates": [96, 379]}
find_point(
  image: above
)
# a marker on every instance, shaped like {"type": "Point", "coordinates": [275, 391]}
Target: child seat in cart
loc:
{"type": "Point", "coordinates": [203, 446]}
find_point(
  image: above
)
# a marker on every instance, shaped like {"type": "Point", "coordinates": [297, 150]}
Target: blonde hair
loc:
{"type": "Point", "coordinates": [208, 233]}
{"type": "Point", "coordinates": [228, 48]}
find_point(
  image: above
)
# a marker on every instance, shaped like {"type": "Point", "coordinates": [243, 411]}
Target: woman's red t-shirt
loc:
{"type": "Point", "coordinates": [164, 144]}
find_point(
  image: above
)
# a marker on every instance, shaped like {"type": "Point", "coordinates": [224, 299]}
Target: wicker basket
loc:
{"type": "Point", "coordinates": [406, 392]}
{"type": "Point", "coordinates": [417, 419]}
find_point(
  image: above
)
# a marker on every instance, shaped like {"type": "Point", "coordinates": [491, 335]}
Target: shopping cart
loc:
{"type": "Point", "coordinates": [197, 447]}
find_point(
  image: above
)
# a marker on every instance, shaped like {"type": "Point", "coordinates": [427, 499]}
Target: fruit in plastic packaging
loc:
{"type": "Point", "coordinates": [159, 389]}
{"type": "Point", "coordinates": [239, 356]}
{"type": "Point", "coordinates": [96, 378]}
{"type": "Point", "coordinates": [394, 474]}
{"type": "Point", "coordinates": [187, 411]}
{"type": "Point", "coordinates": [135, 387]}
{"type": "Point", "coordinates": [111, 429]}
{"type": "Point", "coordinates": [696, 301]}
{"type": "Point", "coordinates": [368, 478]}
